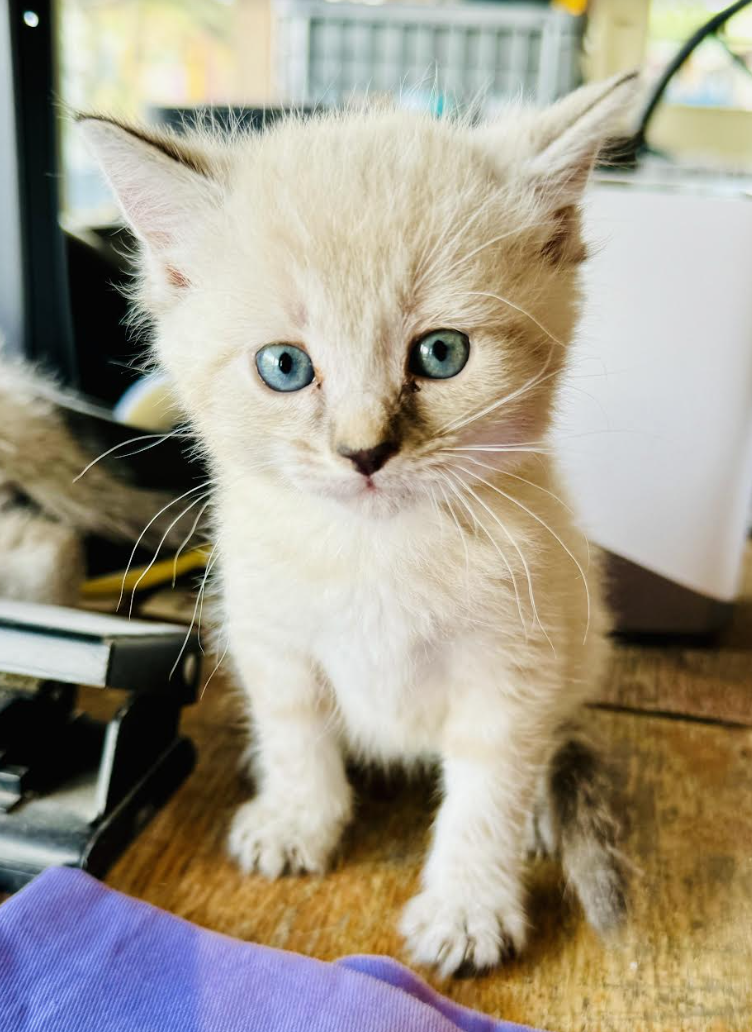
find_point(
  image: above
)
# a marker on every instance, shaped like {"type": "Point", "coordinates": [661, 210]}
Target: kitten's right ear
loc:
{"type": "Point", "coordinates": [161, 184]}
{"type": "Point", "coordinates": [568, 135]}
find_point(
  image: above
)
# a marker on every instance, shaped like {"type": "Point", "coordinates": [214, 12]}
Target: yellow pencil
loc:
{"type": "Point", "coordinates": [141, 578]}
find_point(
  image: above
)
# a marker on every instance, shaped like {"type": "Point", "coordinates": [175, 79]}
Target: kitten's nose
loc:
{"type": "Point", "coordinates": [368, 460]}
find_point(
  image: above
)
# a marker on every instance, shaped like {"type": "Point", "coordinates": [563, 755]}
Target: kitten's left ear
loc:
{"type": "Point", "coordinates": [161, 183]}
{"type": "Point", "coordinates": [567, 136]}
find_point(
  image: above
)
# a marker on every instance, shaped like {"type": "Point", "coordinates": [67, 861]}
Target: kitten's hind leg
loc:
{"type": "Point", "coordinates": [574, 820]}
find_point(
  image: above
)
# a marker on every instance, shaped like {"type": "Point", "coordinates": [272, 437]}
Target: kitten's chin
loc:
{"type": "Point", "coordinates": [366, 498]}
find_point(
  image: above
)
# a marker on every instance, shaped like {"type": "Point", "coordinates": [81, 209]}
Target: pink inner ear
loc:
{"type": "Point", "coordinates": [176, 278]}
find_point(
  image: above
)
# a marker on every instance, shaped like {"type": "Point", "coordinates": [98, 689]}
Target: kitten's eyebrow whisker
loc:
{"type": "Point", "coordinates": [426, 261]}
{"type": "Point", "coordinates": [429, 259]}
{"type": "Point", "coordinates": [476, 520]}
{"type": "Point", "coordinates": [481, 247]}
{"type": "Point", "coordinates": [552, 532]}
{"type": "Point", "coordinates": [517, 308]}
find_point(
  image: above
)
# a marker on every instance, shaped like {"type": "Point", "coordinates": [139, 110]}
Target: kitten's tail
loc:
{"type": "Point", "coordinates": [575, 821]}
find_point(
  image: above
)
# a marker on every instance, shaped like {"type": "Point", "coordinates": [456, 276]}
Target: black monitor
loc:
{"type": "Point", "coordinates": [35, 309]}
{"type": "Point", "coordinates": [60, 305]}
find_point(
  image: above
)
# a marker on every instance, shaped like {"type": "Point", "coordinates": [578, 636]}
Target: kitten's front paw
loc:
{"type": "Point", "coordinates": [272, 837]}
{"type": "Point", "coordinates": [449, 934]}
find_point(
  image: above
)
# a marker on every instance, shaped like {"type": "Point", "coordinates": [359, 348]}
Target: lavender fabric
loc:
{"type": "Point", "coordinates": [76, 956]}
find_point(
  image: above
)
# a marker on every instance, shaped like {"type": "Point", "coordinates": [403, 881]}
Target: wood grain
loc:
{"type": "Point", "coordinates": [683, 963]}
{"type": "Point", "coordinates": [711, 684]}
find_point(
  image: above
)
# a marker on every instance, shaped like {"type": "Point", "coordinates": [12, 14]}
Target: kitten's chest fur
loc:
{"type": "Point", "coordinates": [385, 647]}
{"type": "Point", "coordinates": [378, 614]}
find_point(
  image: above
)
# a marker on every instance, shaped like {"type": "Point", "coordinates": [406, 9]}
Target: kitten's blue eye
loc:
{"type": "Point", "coordinates": [284, 367]}
{"type": "Point", "coordinates": [440, 354]}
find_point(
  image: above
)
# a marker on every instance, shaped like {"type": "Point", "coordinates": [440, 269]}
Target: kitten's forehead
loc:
{"type": "Point", "coordinates": [402, 157]}
{"type": "Point", "coordinates": [343, 218]}
{"type": "Point", "coordinates": [355, 186]}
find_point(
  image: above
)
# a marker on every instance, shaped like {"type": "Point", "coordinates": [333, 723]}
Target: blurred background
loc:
{"type": "Point", "coordinates": [146, 58]}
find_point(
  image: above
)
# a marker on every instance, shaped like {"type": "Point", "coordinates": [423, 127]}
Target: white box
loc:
{"type": "Point", "coordinates": [656, 436]}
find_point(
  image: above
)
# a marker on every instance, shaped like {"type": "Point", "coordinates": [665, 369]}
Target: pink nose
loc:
{"type": "Point", "coordinates": [368, 460]}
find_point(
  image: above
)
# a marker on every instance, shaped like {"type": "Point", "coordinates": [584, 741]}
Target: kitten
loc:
{"type": "Point", "coordinates": [366, 317]}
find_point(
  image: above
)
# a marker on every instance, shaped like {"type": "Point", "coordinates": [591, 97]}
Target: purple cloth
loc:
{"type": "Point", "coordinates": [76, 956]}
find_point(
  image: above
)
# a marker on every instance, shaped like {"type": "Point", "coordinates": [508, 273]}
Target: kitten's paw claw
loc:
{"type": "Point", "coordinates": [273, 839]}
{"type": "Point", "coordinates": [456, 938]}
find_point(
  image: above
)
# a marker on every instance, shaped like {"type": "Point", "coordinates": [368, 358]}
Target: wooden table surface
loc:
{"type": "Point", "coordinates": [677, 721]}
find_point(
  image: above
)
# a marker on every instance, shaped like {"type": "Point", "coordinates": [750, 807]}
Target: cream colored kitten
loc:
{"type": "Point", "coordinates": [366, 317]}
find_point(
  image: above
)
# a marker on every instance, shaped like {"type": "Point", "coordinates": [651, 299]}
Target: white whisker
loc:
{"type": "Point", "coordinates": [123, 444]}
{"type": "Point", "coordinates": [218, 664]}
{"type": "Point", "coordinates": [202, 594]}
{"type": "Point", "coordinates": [187, 538]}
{"type": "Point", "coordinates": [499, 448]}
{"type": "Point", "coordinates": [434, 502]}
{"type": "Point", "coordinates": [522, 311]}
{"type": "Point", "coordinates": [139, 539]}
{"type": "Point", "coordinates": [490, 537]}
{"type": "Point", "coordinates": [158, 548]}
{"type": "Point", "coordinates": [453, 514]}
{"type": "Point", "coordinates": [539, 377]}
{"type": "Point", "coordinates": [426, 260]}
{"type": "Point", "coordinates": [517, 548]}
{"type": "Point", "coordinates": [530, 483]}
{"type": "Point", "coordinates": [552, 532]}
{"type": "Point", "coordinates": [482, 247]}
{"type": "Point", "coordinates": [195, 611]}
{"type": "Point", "coordinates": [538, 487]}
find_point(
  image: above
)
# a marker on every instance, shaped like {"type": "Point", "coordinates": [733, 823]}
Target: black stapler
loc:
{"type": "Point", "coordinates": [75, 790]}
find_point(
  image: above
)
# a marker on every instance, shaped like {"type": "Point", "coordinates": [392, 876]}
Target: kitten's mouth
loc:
{"type": "Point", "coordinates": [376, 494]}
{"type": "Point", "coordinates": [372, 495]}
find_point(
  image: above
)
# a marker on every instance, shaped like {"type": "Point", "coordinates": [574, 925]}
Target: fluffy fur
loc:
{"type": "Point", "coordinates": [445, 608]}
{"type": "Point", "coordinates": [46, 508]}
{"type": "Point", "coordinates": [41, 560]}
